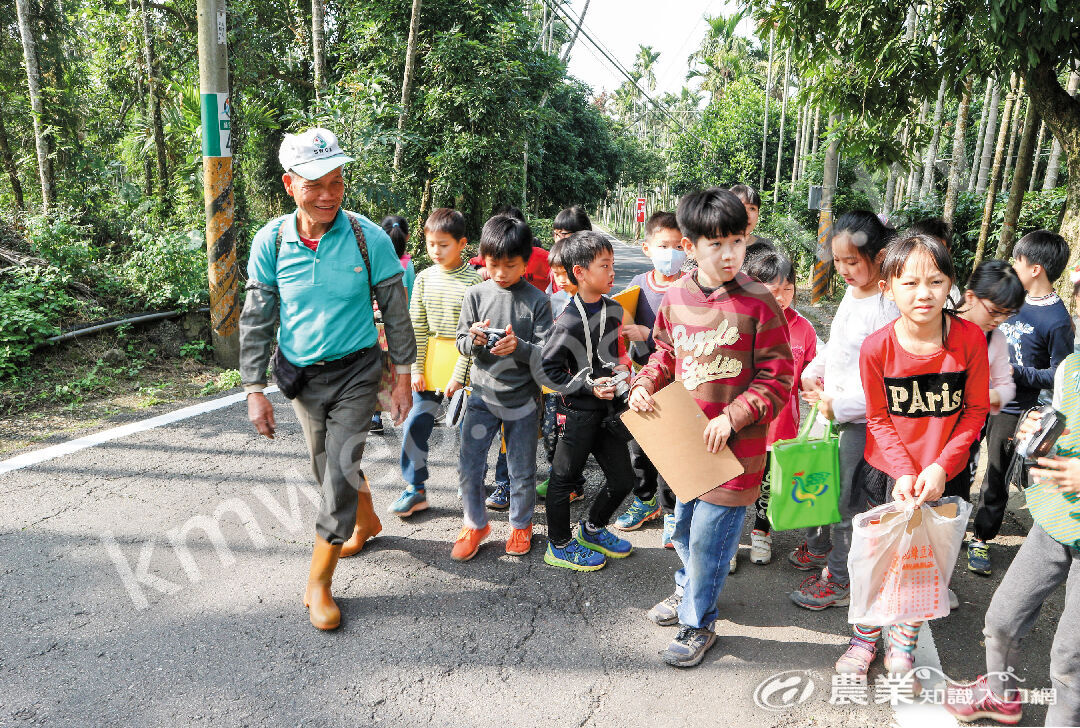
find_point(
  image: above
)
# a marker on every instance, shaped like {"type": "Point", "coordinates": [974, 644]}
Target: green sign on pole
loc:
{"type": "Point", "coordinates": [216, 129]}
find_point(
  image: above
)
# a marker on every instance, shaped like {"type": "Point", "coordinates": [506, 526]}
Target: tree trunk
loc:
{"type": "Point", "coordinates": [1062, 115]}
{"type": "Point", "coordinates": [988, 141]}
{"type": "Point", "coordinates": [318, 44]}
{"type": "Point", "coordinates": [406, 84]}
{"type": "Point", "coordinates": [37, 104]}
{"type": "Point", "coordinates": [995, 177]}
{"type": "Point", "coordinates": [1054, 163]}
{"type": "Point", "coordinates": [783, 118]}
{"type": "Point", "coordinates": [976, 158]}
{"type": "Point", "coordinates": [896, 170]}
{"type": "Point", "coordinates": [798, 151]}
{"type": "Point", "coordinates": [1014, 135]}
{"type": "Point", "coordinates": [957, 163]}
{"type": "Point", "coordinates": [1019, 183]}
{"type": "Point", "coordinates": [154, 89]}
{"type": "Point", "coordinates": [823, 265]}
{"type": "Point", "coordinates": [911, 188]}
{"type": "Point", "coordinates": [8, 160]}
{"type": "Point", "coordinates": [1035, 157]}
{"type": "Point", "coordinates": [806, 142]}
{"type": "Point", "coordinates": [932, 149]}
{"type": "Point", "coordinates": [817, 120]}
{"type": "Point", "coordinates": [765, 126]}
{"type": "Point", "coordinates": [577, 30]}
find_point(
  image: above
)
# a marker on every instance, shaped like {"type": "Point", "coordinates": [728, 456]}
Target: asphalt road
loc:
{"type": "Point", "coordinates": [156, 580]}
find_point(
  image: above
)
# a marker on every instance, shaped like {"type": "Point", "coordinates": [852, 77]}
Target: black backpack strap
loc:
{"type": "Point", "coordinates": [361, 242]}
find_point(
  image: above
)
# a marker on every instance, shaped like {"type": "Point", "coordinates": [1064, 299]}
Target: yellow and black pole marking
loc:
{"type": "Point", "coordinates": [221, 247]}
{"type": "Point", "coordinates": [823, 264]}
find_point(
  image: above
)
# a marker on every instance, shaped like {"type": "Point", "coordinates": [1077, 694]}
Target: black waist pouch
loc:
{"type": "Point", "coordinates": [289, 377]}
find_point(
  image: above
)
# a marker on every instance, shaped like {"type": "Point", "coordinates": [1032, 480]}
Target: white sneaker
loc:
{"type": "Point", "coordinates": [954, 601]}
{"type": "Point", "coordinates": [734, 563]}
{"type": "Point", "coordinates": [760, 547]}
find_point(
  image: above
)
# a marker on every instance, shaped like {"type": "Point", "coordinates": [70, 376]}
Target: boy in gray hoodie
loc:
{"type": "Point", "coordinates": [504, 322]}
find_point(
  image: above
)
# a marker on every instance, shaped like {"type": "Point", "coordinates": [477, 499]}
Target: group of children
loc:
{"type": "Point", "coordinates": [909, 374]}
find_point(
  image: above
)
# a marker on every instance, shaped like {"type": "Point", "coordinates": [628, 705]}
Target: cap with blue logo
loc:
{"type": "Point", "coordinates": [312, 154]}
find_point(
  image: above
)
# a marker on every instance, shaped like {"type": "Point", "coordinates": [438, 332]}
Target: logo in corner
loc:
{"type": "Point", "coordinates": [784, 690]}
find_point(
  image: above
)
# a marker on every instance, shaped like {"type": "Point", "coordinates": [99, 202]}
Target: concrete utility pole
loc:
{"type": "Point", "coordinates": [217, 181]}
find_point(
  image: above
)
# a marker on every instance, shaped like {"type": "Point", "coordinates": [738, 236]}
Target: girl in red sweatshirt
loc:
{"type": "Point", "coordinates": [926, 378]}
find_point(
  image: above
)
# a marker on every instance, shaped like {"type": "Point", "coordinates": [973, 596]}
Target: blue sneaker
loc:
{"type": "Point", "coordinates": [499, 500]}
{"type": "Point", "coordinates": [411, 500]}
{"type": "Point", "coordinates": [605, 542]}
{"type": "Point", "coordinates": [574, 556]}
{"type": "Point", "coordinates": [669, 531]}
{"type": "Point", "coordinates": [638, 513]}
{"type": "Point", "coordinates": [979, 557]}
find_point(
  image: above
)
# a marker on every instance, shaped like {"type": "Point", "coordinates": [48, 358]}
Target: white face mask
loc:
{"type": "Point", "coordinates": [667, 261]}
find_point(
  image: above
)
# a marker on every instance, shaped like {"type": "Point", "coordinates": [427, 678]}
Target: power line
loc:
{"type": "Point", "coordinates": [619, 67]}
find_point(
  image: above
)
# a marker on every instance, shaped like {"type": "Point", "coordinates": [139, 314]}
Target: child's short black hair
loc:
{"type": "Point", "coordinates": [555, 255]}
{"type": "Point", "coordinates": [758, 248]}
{"type": "Point", "coordinates": [1044, 248]}
{"type": "Point", "coordinates": [903, 247]}
{"type": "Point", "coordinates": [747, 194]}
{"type": "Point", "coordinates": [514, 212]}
{"type": "Point", "coordinates": [866, 230]}
{"type": "Point", "coordinates": [582, 248]}
{"type": "Point", "coordinates": [572, 220]}
{"type": "Point", "coordinates": [661, 221]}
{"type": "Point", "coordinates": [997, 282]}
{"type": "Point", "coordinates": [506, 237]}
{"type": "Point", "coordinates": [711, 213]}
{"type": "Point", "coordinates": [933, 226]}
{"type": "Point", "coordinates": [770, 268]}
{"type": "Point", "coordinates": [446, 220]}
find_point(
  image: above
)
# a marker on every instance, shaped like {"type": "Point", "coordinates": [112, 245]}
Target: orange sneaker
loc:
{"type": "Point", "coordinates": [468, 542]}
{"type": "Point", "coordinates": [520, 541]}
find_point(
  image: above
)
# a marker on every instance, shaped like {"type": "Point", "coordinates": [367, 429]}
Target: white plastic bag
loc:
{"type": "Point", "coordinates": [901, 560]}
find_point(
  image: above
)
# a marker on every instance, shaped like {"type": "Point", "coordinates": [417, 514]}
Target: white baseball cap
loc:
{"type": "Point", "coordinates": [312, 154]}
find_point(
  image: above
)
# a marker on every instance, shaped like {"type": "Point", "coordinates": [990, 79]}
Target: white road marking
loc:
{"type": "Point", "coordinates": [926, 715]}
{"type": "Point", "coordinates": [66, 448]}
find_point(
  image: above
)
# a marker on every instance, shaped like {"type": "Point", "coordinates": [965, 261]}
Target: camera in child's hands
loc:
{"type": "Point", "coordinates": [621, 382]}
{"type": "Point", "coordinates": [1038, 443]}
{"type": "Point", "coordinates": [494, 336]}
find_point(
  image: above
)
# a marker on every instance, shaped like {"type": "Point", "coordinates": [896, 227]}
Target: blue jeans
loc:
{"type": "Point", "coordinates": [415, 435]}
{"type": "Point", "coordinates": [502, 470]}
{"type": "Point", "coordinates": [705, 537]}
{"type": "Point", "coordinates": [478, 428]}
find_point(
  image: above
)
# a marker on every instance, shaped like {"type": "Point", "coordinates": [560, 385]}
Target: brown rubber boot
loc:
{"type": "Point", "coordinates": [368, 526]}
{"type": "Point", "coordinates": [322, 610]}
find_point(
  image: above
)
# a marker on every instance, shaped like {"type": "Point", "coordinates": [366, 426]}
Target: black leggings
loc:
{"type": "Point", "coordinates": [583, 434]}
{"type": "Point", "coordinates": [761, 507]}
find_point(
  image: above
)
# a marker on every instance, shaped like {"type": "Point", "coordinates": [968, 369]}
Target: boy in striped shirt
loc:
{"type": "Point", "coordinates": [721, 335]}
{"type": "Point", "coordinates": [434, 308]}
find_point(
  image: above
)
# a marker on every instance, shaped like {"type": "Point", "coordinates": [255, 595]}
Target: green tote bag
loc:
{"type": "Point", "coordinates": [804, 479]}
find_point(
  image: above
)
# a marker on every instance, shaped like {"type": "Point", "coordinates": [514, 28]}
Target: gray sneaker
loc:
{"type": "Point", "coordinates": [666, 613]}
{"type": "Point", "coordinates": [821, 593]}
{"type": "Point", "coordinates": [689, 646]}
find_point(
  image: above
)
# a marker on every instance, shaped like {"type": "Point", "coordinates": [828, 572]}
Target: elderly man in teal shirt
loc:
{"type": "Point", "coordinates": [308, 274]}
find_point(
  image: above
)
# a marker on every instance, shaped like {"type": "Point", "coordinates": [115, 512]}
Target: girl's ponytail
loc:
{"type": "Point", "coordinates": [398, 230]}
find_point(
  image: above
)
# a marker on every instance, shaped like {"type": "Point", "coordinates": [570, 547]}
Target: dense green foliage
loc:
{"type": "Point", "coordinates": [484, 92]}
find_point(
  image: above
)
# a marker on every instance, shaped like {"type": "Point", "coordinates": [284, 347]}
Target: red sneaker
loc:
{"type": "Point", "coordinates": [977, 701]}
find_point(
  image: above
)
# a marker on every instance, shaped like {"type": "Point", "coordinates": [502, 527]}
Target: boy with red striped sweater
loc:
{"type": "Point", "coordinates": [721, 335]}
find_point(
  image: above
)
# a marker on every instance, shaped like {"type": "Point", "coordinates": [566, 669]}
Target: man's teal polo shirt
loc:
{"type": "Point", "coordinates": [325, 310]}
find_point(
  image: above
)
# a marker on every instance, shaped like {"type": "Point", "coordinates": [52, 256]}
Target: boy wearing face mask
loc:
{"type": "Point", "coordinates": [663, 245]}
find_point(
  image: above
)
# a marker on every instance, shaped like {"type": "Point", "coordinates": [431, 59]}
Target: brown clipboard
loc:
{"type": "Point", "coordinates": [672, 435]}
